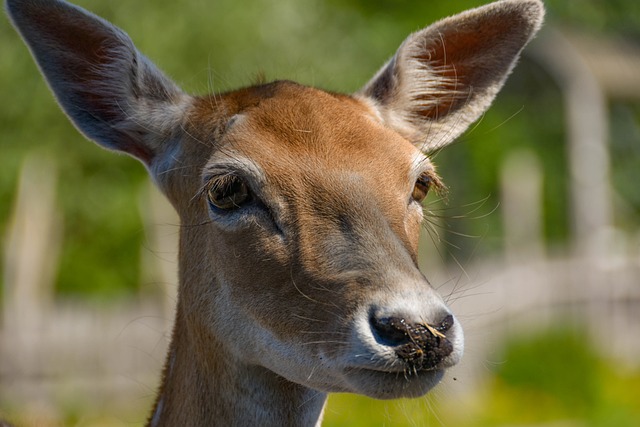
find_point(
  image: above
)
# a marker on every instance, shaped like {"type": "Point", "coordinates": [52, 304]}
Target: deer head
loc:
{"type": "Point", "coordinates": [300, 208]}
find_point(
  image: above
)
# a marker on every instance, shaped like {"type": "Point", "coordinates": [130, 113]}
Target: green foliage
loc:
{"type": "Point", "coordinates": [557, 375]}
{"type": "Point", "coordinates": [611, 17]}
{"type": "Point", "coordinates": [559, 363]}
{"type": "Point", "coordinates": [625, 152]}
{"type": "Point", "coordinates": [338, 45]}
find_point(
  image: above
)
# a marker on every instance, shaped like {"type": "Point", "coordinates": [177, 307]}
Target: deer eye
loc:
{"type": "Point", "coordinates": [421, 188]}
{"type": "Point", "coordinates": [228, 192]}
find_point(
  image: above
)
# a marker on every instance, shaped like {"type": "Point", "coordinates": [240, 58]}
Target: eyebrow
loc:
{"type": "Point", "coordinates": [422, 165]}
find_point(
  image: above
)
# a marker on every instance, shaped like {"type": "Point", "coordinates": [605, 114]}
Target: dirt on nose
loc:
{"type": "Point", "coordinates": [420, 346]}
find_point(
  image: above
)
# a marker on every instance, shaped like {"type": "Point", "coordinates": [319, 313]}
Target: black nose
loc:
{"type": "Point", "coordinates": [422, 346]}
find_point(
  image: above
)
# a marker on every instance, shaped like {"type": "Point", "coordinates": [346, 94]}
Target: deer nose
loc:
{"type": "Point", "coordinates": [420, 345]}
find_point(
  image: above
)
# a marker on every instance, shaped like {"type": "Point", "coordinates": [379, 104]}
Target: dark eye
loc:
{"type": "Point", "coordinates": [228, 192]}
{"type": "Point", "coordinates": [421, 189]}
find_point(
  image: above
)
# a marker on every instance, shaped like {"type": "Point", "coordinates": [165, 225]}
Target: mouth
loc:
{"type": "Point", "coordinates": [392, 383]}
{"type": "Point", "coordinates": [394, 358]}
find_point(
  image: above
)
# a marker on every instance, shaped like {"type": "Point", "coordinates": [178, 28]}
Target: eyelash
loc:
{"type": "Point", "coordinates": [426, 182]}
{"type": "Point", "coordinates": [227, 193]}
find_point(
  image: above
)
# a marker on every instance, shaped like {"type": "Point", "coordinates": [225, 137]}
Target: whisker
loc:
{"type": "Point", "coordinates": [308, 318]}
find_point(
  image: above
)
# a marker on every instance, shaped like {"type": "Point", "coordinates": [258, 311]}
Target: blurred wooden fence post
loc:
{"type": "Point", "coordinates": [30, 260]}
{"type": "Point", "coordinates": [521, 196]}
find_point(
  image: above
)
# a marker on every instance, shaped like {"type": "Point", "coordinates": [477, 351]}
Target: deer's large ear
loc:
{"type": "Point", "coordinates": [112, 93]}
{"type": "Point", "coordinates": [445, 76]}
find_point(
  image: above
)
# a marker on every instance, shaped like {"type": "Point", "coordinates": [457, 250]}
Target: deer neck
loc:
{"type": "Point", "coordinates": [204, 385]}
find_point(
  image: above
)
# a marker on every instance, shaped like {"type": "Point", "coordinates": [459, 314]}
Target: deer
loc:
{"type": "Point", "coordinates": [300, 208]}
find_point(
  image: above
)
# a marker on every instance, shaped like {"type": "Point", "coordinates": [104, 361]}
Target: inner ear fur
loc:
{"type": "Point", "coordinates": [444, 77]}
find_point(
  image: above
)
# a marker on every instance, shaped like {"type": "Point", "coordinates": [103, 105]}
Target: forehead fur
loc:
{"type": "Point", "coordinates": [318, 128]}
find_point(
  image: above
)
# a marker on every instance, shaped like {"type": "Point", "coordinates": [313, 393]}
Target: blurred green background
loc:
{"type": "Point", "coordinates": [337, 45]}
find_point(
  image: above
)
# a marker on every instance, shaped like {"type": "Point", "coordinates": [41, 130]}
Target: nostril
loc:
{"type": "Point", "coordinates": [392, 331]}
{"type": "Point", "coordinates": [445, 324]}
